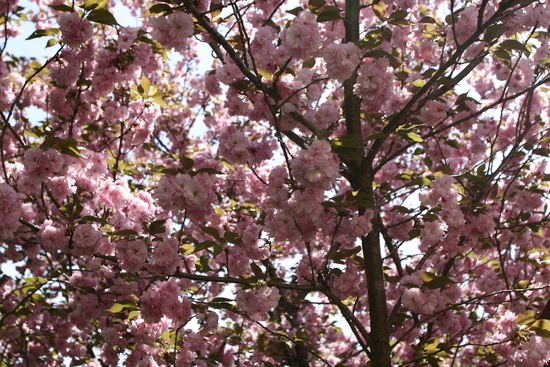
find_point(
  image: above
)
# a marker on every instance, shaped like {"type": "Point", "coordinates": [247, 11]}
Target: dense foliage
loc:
{"type": "Point", "coordinates": [275, 183]}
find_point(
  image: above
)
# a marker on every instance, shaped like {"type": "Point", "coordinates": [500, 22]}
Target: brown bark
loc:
{"type": "Point", "coordinates": [361, 179]}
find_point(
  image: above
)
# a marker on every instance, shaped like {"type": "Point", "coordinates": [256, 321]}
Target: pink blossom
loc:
{"type": "Point", "coordinates": [434, 113]}
{"type": "Point", "coordinates": [454, 217]}
{"type": "Point", "coordinates": [234, 146]}
{"type": "Point", "coordinates": [10, 212]}
{"type": "Point", "coordinates": [432, 233]}
{"type": "Point", "coordinates": [7, 93]}
{"type": "Point", "coordinates": [306, 203]}
{"type": "Point", "coordinates": [350, 283]}
{"type": "Point", "coordinates": [43, 163]}
{"type": "Point", "coordinates": [327, 114]}
{"type": "Point", "coordinates": [165, 258]}
{"type": "Point", "coordinates": [60, 187]}
{"type": "Point", "coordinates": [228, 73]}
{"type": "Point", "coordinates": [316, 166]}
{"type": "Point", "coordinates": [127, 37]}
{"type": "Point", "coordinates": [302, 38]}
{"type": "Point", "coordinates": [131, 254]}
{"type": "Point", "coordinates": [399, 226]}
{"type": "Point", "coordinates": [361, 225]}
{"type": "Point", "coordinates": [415, 300]}
{"type": "Point", "coordinates": [52, 237]}
{"type": "Point", "coordinates": [7, 6]}
{"type": "Point", "coordinates": [466, 24]}
{"type": "Point", "coordinates": [251, 243]}
{"type": "Point", "coordinates": [238, 263]}
{"type": "Point", "coordinates": [163, 299]}
{"type": "Point", "coordinates": [256, 303]}
{"type": "Point", "coordinates": [74, 30]}
{"type": "Point", "coordinates": [86, 238]}
{"type": "Point", "coordinates": [173, 30]}
{"type": "Point", "coordinates": [341, 60]}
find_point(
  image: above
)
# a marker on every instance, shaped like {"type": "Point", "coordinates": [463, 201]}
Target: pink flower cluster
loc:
{"type": "Point", "coordinates": [185, 192]}
{"type": "Point", "coordinates": [10, 212]}
{"type": "Point", "coordinates": [172, 31]}
{"type": "Point", "coordinates": [372, 84]}
{"type": "Point", "coordinates": [164, 299]}
{"type": "Point", "coordinates": [350, 283]}
{"type": "Point", "coordinates": [256, 303]}
{"type": "Point", "coordinates": [302, 39]}
{"type": "Point", "coordinates": [75, 31]}
{"type": "Point", "coordinates": [316, 166]}
{"type": "Point", "coordinates": [341, 60]}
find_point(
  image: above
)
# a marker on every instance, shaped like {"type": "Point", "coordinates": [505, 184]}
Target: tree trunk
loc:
{"type": "Point", "coordinates": [361, 179]}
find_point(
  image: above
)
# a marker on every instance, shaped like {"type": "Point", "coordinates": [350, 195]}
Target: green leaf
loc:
{"type": "Point", "coordinates": [295, 11]}
{"type": "Point", "coordinates": [544, 152]}
{"type": "Point", "coordinates": [493, 32]}
{"type": "Point", "coordinates": [345, 152]}
{"type": "Point", "coordinates": [232, 237]}
{"type": "Point", "coordinates": [145, 85]}
{"type": "Point", "coordinates": [120, 306]}
{"type": "Point", "coordinates": [157, 227]}
{"type": "Point", "coordinates": [399, 18]}
{"type": "Point", "coordinates": [444, 168]}
{"type": "Point", "coordinates": [160, 8]}
{"type": "Point", "coordinates": [394, 62]}
{"type": "Point", "coordinates": [371, 40]}
{"type": "Point", "coordinates": [526, 318]}
{"type": "Point", "coordinates": [541, 327]}
{"type": "Point", "coordinates": [268, 75]}
{"type": "Point", "coordinates": [186, 163]}
{"type": "Point", "coordinates": [427, 19]}
{"type": "Point", "coordinates": [94, 4]}
{"type": "Point", "coordinates": [222, 306]}
{"type": "Point", "coordinates": [187, 249]}
{"type": "Point", "coordinates": [215, 9]}
{"type": "Point", "coordinates": [314, 5]}
{"type": "Point", "coordinates": [413, 137]}
{"type": "Point", "coordinates": [453, 143]}
{"type": "Point", "coordinates": [343, 254]}
{"type": "Point", "coordinates": [513, 45]}
{"type": "Point", "coordinates": [328, 14]}
{"type": "Point", "coordinates": [212, 232]}
{"type": "Point", "coordinates": [43, 32]}
{"type": "Point", "coordinates": [419, 83]}
{"type": "Point", "coordinates": [51, 42]}
{"type": "Point", "coordinates": [68, 147]}
{"type": "Point", "coordinates": [379, 8]}
{"type": "Point", "coordinates": [432, 281]}
{"type": "Point", "coordinates": [125, 233]}
{"type": "Point", "coordinates": [102, 16]}
{"type": "Point", "coordinates": [258, 272]}
{"type": "Point", "coordinates": [347, 141]}
{"type": "Point", "coordinates": [65, 146]}
{"type": "Point", "coordinates": [503, 56]}
{"type": "Point", "coordinates": [420, 181]}
{"type": "Point", "coordinates": [62, 7]}
{"type": "Point", "coordinates": [202, 264]}
{"type": "Point", "coordinates": [204, 245]}
{"type": "Point", "coordinates": [158, 98]}
{"type": "Point", "coordinates": [33, 283]}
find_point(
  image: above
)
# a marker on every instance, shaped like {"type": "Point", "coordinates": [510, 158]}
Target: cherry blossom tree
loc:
{"type": "Point", "coordinates": [331, 183]}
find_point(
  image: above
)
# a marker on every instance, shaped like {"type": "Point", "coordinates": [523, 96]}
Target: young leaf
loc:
{"type": "Point", "coordinates": [102, 16]}
{"type": "Point", "coordinates": [379, 8]}
{"type": "Point", "coordinates": [43, 32]}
